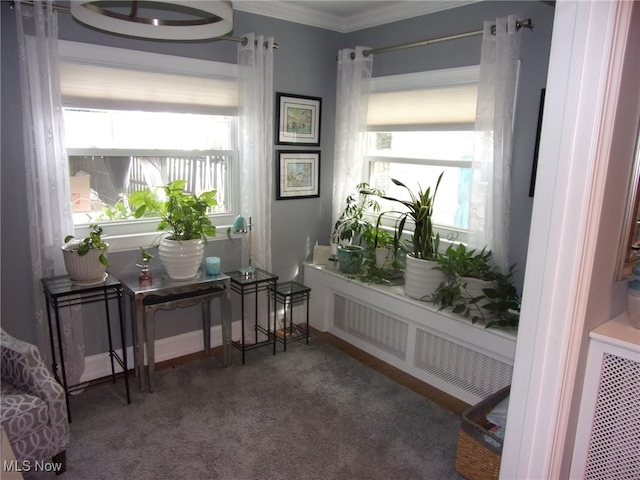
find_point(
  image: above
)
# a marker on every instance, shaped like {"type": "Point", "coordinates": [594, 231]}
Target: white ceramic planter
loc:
{"type": "Point", "coordinates": [475, 288]}
{"type": "Point", "coordinates": [384, 257]}
{"type": "Point", "coordinates": [84, 270]}
{"type": "Point", "coordinates": [181, 260]}
{"type": "Point", "coordinates": [420, 280]}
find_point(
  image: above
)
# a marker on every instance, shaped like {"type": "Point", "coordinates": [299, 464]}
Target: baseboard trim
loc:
{"type": "Point", "coordinates": [99, 365]}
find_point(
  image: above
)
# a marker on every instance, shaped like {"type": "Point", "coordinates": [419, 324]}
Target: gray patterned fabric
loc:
{"type": "Point", "coordinates": [33, 409]}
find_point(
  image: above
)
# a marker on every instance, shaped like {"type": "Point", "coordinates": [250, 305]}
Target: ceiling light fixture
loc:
{"type": "Point", "coordinates": [182, 19]}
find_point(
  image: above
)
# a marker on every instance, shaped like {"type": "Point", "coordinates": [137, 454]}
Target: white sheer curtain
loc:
{"type": "Point", "coordinates": [255, 80]}
{"type": "Point", "coordinates": [352, 101]}
{"type": "Point", "coordinates": [47, 177]}
{"type": "Point", "coordinates": [491, 184]}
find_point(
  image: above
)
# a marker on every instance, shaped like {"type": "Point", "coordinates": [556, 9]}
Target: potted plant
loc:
{"type": "Point", "coordinates": [351, 225]}
{"type": "Point", "coordinates": [457, 261]}
{"type": "Point", "coordinates": [86, 259]}
{"type": "Point", "coordinates": [503, 301]}
{"type": "Point", "coordinates": [420, 278]}
{"type": "Point", "coordinates": [352, 221]}
{"type": "Point", "coordinates": [380, 245]}
{"type": "Point", "coordinates": [184, 216]}
{"type": "Point", "coordinates": [474, 288]}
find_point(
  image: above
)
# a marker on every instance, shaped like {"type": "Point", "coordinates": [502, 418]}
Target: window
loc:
{"type": "Point", "coordinates": [135, 120]}
{"type": "Point", "coordinates": [418, 126]}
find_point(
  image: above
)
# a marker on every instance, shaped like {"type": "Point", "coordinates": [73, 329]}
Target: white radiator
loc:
{"type": "Point", "coordinates": [377, 329]}
{"type": "Point", "coordinates": [470, 371]}
{"type": "Point", "coordinates": [467, 369]}
{"type": "Point", "coordinates": [607, 445]}
{"type": "Point", "coordinates": [614, 446]}
{"type": "Point", "coordinates": [441, 349]}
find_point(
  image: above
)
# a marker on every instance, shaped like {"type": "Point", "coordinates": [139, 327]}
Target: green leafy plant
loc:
{"type": "Point", "coordinates": [146, 256]}
{"type": "Point", "coordinates": [119, 211]}
{"type": "Point", "coordinates": [375, 237]}
{"type": "Point", "coordinates": [424, 242]}
{"type": "Point", "coordinates": [503, 301]}
{"type": "Point", "coordinates": [498, 305]}
{"type": "Point", "coordinates": [457, 261]}
{"type": "Point", "coordinates": [93, 241]}
{"type": "Point", "coordinates": [352, 222]}
{"type": "Point", "coordinates": [184, 215]}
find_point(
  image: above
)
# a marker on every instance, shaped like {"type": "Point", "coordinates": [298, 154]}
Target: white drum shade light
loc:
{"type": "Point", "coordinates": [181, 19]}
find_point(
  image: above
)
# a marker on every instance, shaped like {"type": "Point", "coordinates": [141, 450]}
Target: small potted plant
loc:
{"type": "Point", "coordinates": [380, 245]}
{"type": "Point", "coordinates": [351, 225]}
{"type": "Point", "coordinates": [352, 221]}
{"type": "Point", "coordinates": [474, 288]}
{"type": "Point", "coordinates": [185, 218]}
{"type": "Point", "coordinates": [86, 259]}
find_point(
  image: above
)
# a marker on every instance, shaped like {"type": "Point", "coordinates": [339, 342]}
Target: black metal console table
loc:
{"type": "Point", "coordinates": [60, 293]}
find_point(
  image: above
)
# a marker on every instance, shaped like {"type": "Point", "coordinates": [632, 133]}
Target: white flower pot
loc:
{"type": "Point", "coordinates": [384, 257]}
{"type": "Point", "coordinates": [181, 260]}
{"type": "Point", "coordinates": [84, 270]}
{"type": "Point", "coordinates": [475, 287]}
{"type": "Point", "coordinates": [420, 280]}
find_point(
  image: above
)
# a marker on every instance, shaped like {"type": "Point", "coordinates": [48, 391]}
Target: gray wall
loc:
{"type": "Point", "coordinates": [304, 64]}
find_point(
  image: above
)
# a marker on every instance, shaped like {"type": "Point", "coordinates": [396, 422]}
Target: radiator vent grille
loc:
{"type": "Point", "coordinates": [382, 331]}
{"type": "Point", "coordinates": [467, 369]}
{"type": "Point", "coordinates": [614, 448]}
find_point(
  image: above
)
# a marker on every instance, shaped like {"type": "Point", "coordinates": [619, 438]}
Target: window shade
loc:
{"type": "Point", "coordinates": [443, 99]}
{"type": "Point", "coordinates": [436, 107]}
{"type": "Point", "coordinates": [97, 76]}
{"type": "Point", "coordinates": [96, 86]}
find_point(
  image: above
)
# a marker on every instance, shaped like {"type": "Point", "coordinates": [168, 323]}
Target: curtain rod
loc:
{"type": "Point", "coordinates": [63, 9]}
{"type": "Point", "coordinates": [519, 24]}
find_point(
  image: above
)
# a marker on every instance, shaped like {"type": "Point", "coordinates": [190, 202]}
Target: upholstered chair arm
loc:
{"type": "Point", "coordinates": [21, 365]}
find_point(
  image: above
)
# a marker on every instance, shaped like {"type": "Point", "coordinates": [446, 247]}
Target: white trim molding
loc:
{"type": "Point", "coordinates": [344, 18]}
{"type": "Point", "coordinates": [549, 361]}
{"type": "Point", "coordinates": [99, 365]}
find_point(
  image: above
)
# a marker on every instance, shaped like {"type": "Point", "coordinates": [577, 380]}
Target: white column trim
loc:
{"type": "Point", "coordinates": [560, 252]}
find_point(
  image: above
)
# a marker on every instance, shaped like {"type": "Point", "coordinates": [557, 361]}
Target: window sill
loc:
{"type": "Point", "coordinates": [128, 242]}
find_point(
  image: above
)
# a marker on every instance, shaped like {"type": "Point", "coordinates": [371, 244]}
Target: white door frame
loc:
{"type": "Point", "coordinates": [551, 339]}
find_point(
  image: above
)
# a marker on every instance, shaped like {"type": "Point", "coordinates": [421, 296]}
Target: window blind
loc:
{"type": "Point", "coordinates": [442, 100]}
{"type": "Point", "coordinates": [93, 76]}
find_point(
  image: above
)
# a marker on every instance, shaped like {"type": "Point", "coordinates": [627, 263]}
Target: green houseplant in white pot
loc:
{"type": "Point", "coordinates": [86, 259]}
{"type": "Point", "coordinates": [421, 280]}
{"type": "Point", "coordinates": [184, 216]}
{"type": "Point", "coordinates": [379, 242]}
{"type": "Point", "coordinates": [476, 289]}
{"type": "Point", "coordinates": [469, 274]}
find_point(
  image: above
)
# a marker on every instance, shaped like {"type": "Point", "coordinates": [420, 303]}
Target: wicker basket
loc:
{"type": "Point", "coordinates": [476, 458]}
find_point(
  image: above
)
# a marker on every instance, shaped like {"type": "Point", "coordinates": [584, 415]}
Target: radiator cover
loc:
{"type": "Point", "coordinates": [456, 365]}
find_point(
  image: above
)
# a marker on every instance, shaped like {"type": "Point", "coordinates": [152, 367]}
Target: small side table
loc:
{"type": "Point", "coordinates": [60, 292]}
{"type": "Point", "coordinates": [289, 294]}
{"type": "Point", "coordinates": [167, 294]}
{"type": "Point", "coordinates": [246, 284]}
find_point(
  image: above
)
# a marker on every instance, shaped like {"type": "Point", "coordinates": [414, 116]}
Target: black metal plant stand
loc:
{"type": "Point", "coordinates": [60, 293]}
{"type": "Point", "coordinates": [290, 294]}
{"type": "Point", "coordinates": [253, 283]}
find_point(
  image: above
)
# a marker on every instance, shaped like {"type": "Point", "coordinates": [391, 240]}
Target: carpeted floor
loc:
{"type": "Point", "coordinates": [310, 413]}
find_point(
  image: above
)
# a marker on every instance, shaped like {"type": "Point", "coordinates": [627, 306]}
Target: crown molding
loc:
{"type": "Point", "coordinates": [294, 12]}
